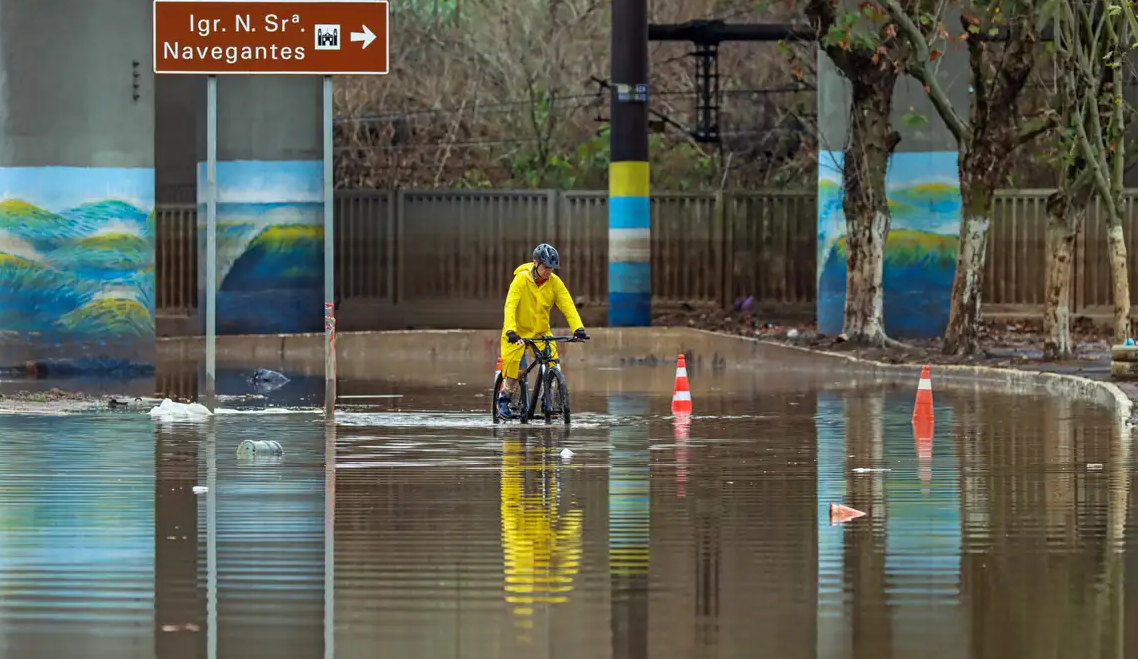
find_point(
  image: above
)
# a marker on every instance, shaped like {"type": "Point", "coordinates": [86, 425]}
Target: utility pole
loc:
{"type": "Point", "coordinates": [630, 269]}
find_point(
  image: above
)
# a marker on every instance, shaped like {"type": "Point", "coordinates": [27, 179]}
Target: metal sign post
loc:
{"type": "Point", "coordinates": [270, 37]}
{"type": "Point", "coordinates": [329, 261]}
{"type": "Point", "coordinates": [211, 244]}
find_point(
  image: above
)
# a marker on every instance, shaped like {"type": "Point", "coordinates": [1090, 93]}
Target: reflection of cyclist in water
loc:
{"type": "Point", "coordinates": [541, 533]}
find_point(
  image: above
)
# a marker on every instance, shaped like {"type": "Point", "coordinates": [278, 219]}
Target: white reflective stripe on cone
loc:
{"type": "Point", "coordinates": [682, 395]}
{"type": "Point", "coordinates": [925, 384]}
{"type": "Point", "coordinates": [681, 372]}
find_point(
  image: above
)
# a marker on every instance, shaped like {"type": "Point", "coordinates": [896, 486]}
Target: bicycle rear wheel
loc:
{"type": "Point", "coordinates": [555, 397]}
{"type": "Point", "coordinates": [494, 399]}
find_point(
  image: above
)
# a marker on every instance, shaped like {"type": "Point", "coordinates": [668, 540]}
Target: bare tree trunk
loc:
{"type": "Point", "coordinates": [866, 208]}
{"type": "Point", "coordinates": [962, 334]}
{"type": "Point", "coordinates": [1120, 278]}
{"type": "Point", "coordinates": [1066, 213]}
{"type": "Point", "coordinates": [1065, 220]}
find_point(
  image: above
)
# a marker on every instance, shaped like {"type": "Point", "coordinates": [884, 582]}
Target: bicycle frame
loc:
{"type": "Point", "coordinates": [542, 359]}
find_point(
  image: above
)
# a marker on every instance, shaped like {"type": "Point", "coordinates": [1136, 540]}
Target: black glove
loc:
{"type": "Point", "coordinates": [580, 334]}
{"type": "Point", "coordinates": [512, 336]}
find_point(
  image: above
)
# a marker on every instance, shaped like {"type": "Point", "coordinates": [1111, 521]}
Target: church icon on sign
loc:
{"type": "Point", "coordinates": [327, 37]}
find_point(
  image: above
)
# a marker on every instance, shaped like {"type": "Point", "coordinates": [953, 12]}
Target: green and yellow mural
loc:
{"type": "Point", "coordinates": [77, 266]}
{"type": "Point", "coordinates": [923, 189]}
{"type": "Point", "coordinates": [270, 246]}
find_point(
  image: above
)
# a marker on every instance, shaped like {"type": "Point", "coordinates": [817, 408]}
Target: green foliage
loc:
{"type": "Point", "coordinates": [677, 165]}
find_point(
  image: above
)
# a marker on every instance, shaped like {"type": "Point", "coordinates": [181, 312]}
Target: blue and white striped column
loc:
{"type": "Point", "coordinates": [630, 268]}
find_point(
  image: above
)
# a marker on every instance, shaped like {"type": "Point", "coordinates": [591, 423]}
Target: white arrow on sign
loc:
{"type": "Point", "coordinates": [367, 36]}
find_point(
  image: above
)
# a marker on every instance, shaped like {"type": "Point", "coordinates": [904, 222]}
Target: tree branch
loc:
{"type": "Point", "coordinates": [1036, 127]}
{"type": "Point", "coordinates": [823, 16]}
{"type": "Point", "coordinates": [1093, 158]}
{"type": "Point", "coordinates": [917, 67]}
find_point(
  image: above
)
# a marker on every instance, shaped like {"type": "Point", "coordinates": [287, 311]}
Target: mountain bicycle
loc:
{"type": "Point", "coordinates": [549, 387]}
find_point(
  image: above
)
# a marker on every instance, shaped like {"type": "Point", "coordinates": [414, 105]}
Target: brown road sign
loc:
{"type": "Point", "coordinates": [220, 37]}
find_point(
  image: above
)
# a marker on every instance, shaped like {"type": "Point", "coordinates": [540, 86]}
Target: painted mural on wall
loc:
{"type": "Point", "coordinates": [920, 252]}
{"type": "Point", "coordinates": [270, 246]}
{"type": "Point", "coordinates": [77, 260]}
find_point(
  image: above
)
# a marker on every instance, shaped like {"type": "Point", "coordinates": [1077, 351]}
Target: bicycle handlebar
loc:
{"type": "Point", "coordinates": [548, 339]}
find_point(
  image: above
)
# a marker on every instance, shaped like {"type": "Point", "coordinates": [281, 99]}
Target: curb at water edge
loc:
{"type": "Point", "coordinates": [1012, 378]}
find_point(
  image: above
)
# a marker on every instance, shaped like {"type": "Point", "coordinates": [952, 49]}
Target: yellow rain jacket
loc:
{"type": "Point", "coordinates": [527, 313]}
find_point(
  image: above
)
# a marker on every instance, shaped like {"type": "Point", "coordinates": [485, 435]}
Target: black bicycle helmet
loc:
{"type": "Point", "coordinates": [546, 255]}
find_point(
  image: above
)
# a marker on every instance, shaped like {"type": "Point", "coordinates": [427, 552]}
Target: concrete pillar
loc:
{"type": "Point", "coordinates": [270, 211]}
{"type": "Point", "coordinates": [77, 184]}
{"type": "Point", "coordinates": [924, 194]}
{"type": "Point", "coordinates": [176, 101]}
{"type": "Point", "coordinates": [630, 264]}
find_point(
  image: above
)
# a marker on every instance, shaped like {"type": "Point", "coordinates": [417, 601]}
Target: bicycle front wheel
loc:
{"type": "Point", "coordinates": [556, 396]}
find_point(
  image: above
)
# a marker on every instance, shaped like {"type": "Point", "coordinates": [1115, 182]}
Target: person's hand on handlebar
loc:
{"type": "Point", "coordinates": [579, 334]}
{"type": "Point", "coordinates": [512, 336]}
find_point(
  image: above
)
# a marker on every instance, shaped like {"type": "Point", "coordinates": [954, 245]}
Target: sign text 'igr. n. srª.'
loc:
{"type": "Point", "coordinates": [206, 27]}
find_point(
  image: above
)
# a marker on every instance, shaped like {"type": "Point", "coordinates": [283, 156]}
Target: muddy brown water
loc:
{"type": "Point", "coordinates": [415, 528]}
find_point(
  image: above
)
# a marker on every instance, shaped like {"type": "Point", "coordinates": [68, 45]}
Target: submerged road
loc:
{"type": "Point", "coordinates": [414, 528]}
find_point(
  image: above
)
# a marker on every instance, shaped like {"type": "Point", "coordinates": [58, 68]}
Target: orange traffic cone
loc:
{"type": "Point", "coordinates": [923, 436]}
{"type": "Point", "coordinates": [681, 395]}
{"type": "Point", "coordinates": [923, 409]}
{"type": "Point", "coordinates": [840, 514]}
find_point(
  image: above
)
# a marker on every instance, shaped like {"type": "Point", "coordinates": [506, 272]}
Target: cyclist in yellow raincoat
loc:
{"type": "Point", "coordinates": [533, 293]}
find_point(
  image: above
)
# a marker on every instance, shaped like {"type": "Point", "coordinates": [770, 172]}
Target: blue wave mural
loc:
{"type": "Point", "coordinates": [77, 261]}
{"type": "Point", "coordinates": [920, 253]}
{"type": "Point", "coordinates": [270, 246]}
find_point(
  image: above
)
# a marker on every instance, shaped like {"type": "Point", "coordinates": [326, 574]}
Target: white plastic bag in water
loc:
{"type": "Point", "coordinates": [171, 411]}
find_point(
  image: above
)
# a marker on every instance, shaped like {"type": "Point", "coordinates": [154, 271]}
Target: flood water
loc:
{"type": "Point", "coordinates": [414, 528]}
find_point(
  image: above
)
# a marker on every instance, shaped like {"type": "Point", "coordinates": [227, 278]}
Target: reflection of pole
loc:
{"type": "Point", "coordinates": [211, 540]}
{"type": "Point", "coordinates": [865, 549]}
{"type": "Point", "coordinates": [707, 578]}
{"type": "Point", "coordinates": [211, 243]}
{"type": "Point", "coordinates": [629, 530]}
{"type": "Point", "coordinates": [1110, 601]}
{"type": "Point", "coordinates": [329, 539]}
{"type": "Point", "coordinates": [329, 260]}
{"type": "Point", "coordinates": [831, 485]}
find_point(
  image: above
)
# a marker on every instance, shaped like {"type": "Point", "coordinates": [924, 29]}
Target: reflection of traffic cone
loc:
{"type": "Point", "coordinates": [923, 436]}
{"type": "Point", "coordinates": [681, 395]}
{"type": "Point", "coordinates": [840, 514]}
{"type": "Point", "coordinates": [923, 409]}
{"type": "Point", "coordinates": [681, 426]}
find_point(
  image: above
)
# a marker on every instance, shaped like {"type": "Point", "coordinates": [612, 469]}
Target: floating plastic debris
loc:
{"type": "Point", "coordinates": [172, 411]}
{"type": "Point", "coordinates": [259, 448]}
